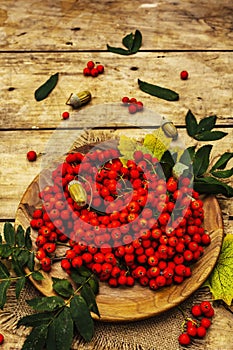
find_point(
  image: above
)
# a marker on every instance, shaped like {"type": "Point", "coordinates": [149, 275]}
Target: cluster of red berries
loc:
{"type": "Point", "coordinates": [92, 70]}
{"type": "Point", "coordinates": [197, 328]}
{"type": "Point", "coordinates": [129, 229]}
{"type": "Point", "coordinates": [132, 104]}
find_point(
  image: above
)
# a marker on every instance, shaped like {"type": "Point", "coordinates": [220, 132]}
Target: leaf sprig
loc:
{"type": "Point", "coordinates": [56, 319]}
{"type": "Point", "coordinates": [131, 41]}
{"type": "Point", "coordinates": [17, 250]}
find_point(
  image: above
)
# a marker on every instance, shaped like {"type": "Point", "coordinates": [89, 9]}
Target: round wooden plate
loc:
{"type": "Point", "coordinates": [129, 304]}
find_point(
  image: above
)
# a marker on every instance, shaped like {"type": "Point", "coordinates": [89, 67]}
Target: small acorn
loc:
{"type": "Point", "coordinates": [77, 192]}
{"type": "Point", "coordinates": [169, 129]}
{"type": "Point", "coordinates": [79, 99]}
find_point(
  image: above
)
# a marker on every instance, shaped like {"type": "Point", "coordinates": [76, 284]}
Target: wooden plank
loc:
{"type": "Point", "coordinates": [17, 173]}
{"type": "Point", "coordinates": [76, 25]}
{"type": "Point", "coordinates": [207, 91]}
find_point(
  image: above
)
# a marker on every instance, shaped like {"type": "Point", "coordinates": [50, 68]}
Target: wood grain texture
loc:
{"type": "Point", "coordinates": [74, 25]}
{"type": "Point", "coordinates": [207, 91]}
{"type": "Point", "coordinates": [130, 304]}
{"type": "Point", "coordinates": [17, 172]}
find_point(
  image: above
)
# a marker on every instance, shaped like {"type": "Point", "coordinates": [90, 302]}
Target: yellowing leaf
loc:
{"type": "Point", "coordinates": [220, 280]}
{"type": "Point", "coordinates": [157, 143]}
{"type": "Point", "coordinates": [127, 146]}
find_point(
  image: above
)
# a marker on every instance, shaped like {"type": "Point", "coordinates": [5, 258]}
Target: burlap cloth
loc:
{"type": "Point", "coordinates": [156, 333]}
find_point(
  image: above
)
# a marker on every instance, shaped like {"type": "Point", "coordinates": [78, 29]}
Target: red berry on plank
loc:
{"type": "Point", "coordinates": [184, 75]}
{"type": "Point", "coordinates": [90, 65]}
{"type": "Point", "coordinates": [31, 156]}
{"type": "Point", "coordinates": [65, 115]}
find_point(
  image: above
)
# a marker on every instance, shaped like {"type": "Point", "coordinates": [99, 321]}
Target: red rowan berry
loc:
{"type": "Point", "coordinates": [201, 332]}
{"type": "Point", "coordinates": [86, 72]}
{"type": "Point", "coordinates": [184, 339]}
{"type": "Point", "coordinates": [94, 72]}
{"type": "Point", "coordinates": [1, 339]}
{"type": "Point", "coordinates": [31, 156]}
{"type": "Point", "coordinates": [205, 322]}
{"type": "Point", "coordinates": [132, 108]}
{"type": "Point", "coordinates": [125, 100]}
{"type": "Point", "coordinates": [65, 115]}
{"type": "Point", "coordinates": [184, 75]}
{"type": "Point", "coordinates": [100, 68]}
{"type": "Point", "coordinates": [205, 306]}
{"type": "Point", "coordinates": [90, 64]}
{"type": "Point", "coordinates": [196, 310]}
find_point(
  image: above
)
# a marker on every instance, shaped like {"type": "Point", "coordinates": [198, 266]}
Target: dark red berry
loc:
{"type": "Point", "coordinates": [184, 75]}
{"type": "Point", "coordinates": [184, 339]}
{"type": "Point", "coordinates": [31, 156]}
{"type": "Point", "coordinates": [65, 115]}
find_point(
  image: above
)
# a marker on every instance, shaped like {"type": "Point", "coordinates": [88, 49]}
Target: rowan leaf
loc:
{"type": "Point", "coordinates": [63, 287]}
{"type": "Point", "coordinates": [210, 135]}
{"type": "Point", "coordinates": [207, 124]}
{"type": "Point", "coordinates": [46, 303]}
{"type": "Point", "coordinates": [191, 124]}
{"type": "Point", "coordinates": [220, 280]}
{"type": "Point", "coordinates": [81, 317]}
{"type": "Point", "coordinates": [9, 233]}
{"type": "Point", "coordinates": [19, 286]}
{"type": "Point", "coordinates": [201, 160]}
{"type": "Point", "coordinates": [4, 273]}
{"type": "Point", "coordinates": [3, 290]}
{"type": "Point", "coordinates": [222, 161]}
{"type": "Point", "coordinates": [36, 339]}
{"type": "Point", "coordinates": [131, 41]}
{"type": "Point", "coordinates": [20, 238]}
{"type": "Point", "coordinates": [156, 143]}
{"type": "Point", "coordinates": [158, 91]}
{"type": "Point", "coordinates": [44, 90]}
{"type": "Point", "coordinates": [63, 327]}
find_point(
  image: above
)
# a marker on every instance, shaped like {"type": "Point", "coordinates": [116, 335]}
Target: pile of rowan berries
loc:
{"type": "Point", "coordinates": [136, 225]}
{"type": "Point", "coordinates": [132, 104]}
{"type": "Point", "coordinates": [93, 70]}
{"type": "Point", "coordinates": [197, 328]}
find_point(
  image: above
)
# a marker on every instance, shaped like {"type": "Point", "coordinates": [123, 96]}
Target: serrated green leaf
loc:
{"type": "Point", "coordinates": [5, 251]}
{"type": "Point", "coordinates": [31, 261]}
{"type": "Point", "coordinates": [4, 273]}
{"type": "Point", "coordinates": [212, 186]}
{"type": "Point", "coordinates": [35, 320]}
{"type": "Point", "coordinates": [37, 276]}
{"type": "Point", "coordinates": [84, 271]}
{"type": "Point", "coordinates": [51, 338]}
{"type": "Point", "coordinates": [46, 303]}
{"type": "Point", "coordinates": [77, 278]}
{"type": "Point", "coordinates": [191, 124]}
{"type": "Point", "coordinates": [28, 240]}
{"type": "Point", "coordinates": [20, 238]}
{"type": "Point", "coordinates": [36, 339]}
{"type": "Point", "coordinates": [20, 283]}
{"type": "Point", "coordinates": [63, 287]}
{"type": "Point", "coordinates": [64, 329]}
{"type": "Point", "coordinates": [127, 41]}
{"type": "Point", "coordinates": [44, 90]}
{"type": "Point", "coordinates": [222, 161]}
{"type": "Point", "coordinates": [3, 292]}
{"type": "Point", "coordinates": [9, 233]}
{"type": "Point", "coordinates": [210, 135]}
{"type": "Point", "coordinates": [94, 284]}
{"type": "Point", "coordinates": [206, 124]}
{"type": "Point", "coordinates": [81, 317]}
{"type": "Point", "coordinates": [220, 280]}
{"type": "Point", "coordinates": [89, 296]}
{"type": "Point", "coordinates": [22, 256]}
{"type": "Point", "coordinates": [158, 91]}
{"type": "Point", "coordinates": [223, 174]}
{"type": "Point", "coordinates": [16, 266]}
{"type": "Point", "coordinates": [201, 160]}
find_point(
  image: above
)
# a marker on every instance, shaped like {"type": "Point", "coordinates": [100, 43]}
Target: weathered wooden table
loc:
{"type": "Point", "coordinates": [40, 38]}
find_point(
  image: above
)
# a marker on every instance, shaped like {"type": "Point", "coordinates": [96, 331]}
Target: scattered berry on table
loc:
{"type": "Point", "coordinates": [65, 115]}
{"type": "Point", "coordinates": [93, 70]}
{"type": "Point", "coordinates": [32, 156]}
{"type": "Point", "coordinates": [184, 75]}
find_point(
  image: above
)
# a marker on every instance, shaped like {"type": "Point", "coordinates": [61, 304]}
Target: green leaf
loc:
{"type": "Point", "coordinates": [223, 174]}
{"type": "Point", "coordinates": [220, 280]}
{"type": "Point", "coordinates": [22, 256]}
{"type": "Point", "coordinates": [210, 135]}
{"type": "Point", "coordinates": [3, 291]}
{"type": "Point", "coordinates": [9, 233]}
{"type": "Point", "coordinates": [127, 41]}
{"type": "Point", "coordinates": [63, 287]}
{"type": "Point", "coordinates": [5, 251]}
{"type": "Point", "coordinates": [31, 261]}
{"type": "Point", "coordinates": [206, 124]}
{"type": "Point", "coordinates": [212, 186]}
{"type": "Point", "coordinates": [37, 276]}
{"type": "Point", "coordinates": [46, 303]}
{"type": "Point", "coordinates": [188, 155]}
{"type": "Point", "coordinates": [0, 238]}
{"type": "Point", "coordinates": [89, 296]}
{"type": "Point", "coordinates": [81, 317]}
{"type": "Point", "coordinates": [36, 339]}
{"type": "Point", "coordinates": [201, 160]}
{"type": "Point", "coordinates": [94, 284]}
{"type": "Point", "coordinates": [222, 161]}
{"type": "Point", "coordinates": [35, 320]}
{"type": "Point", "coordinates": [131, 41]}
{"type": "Point", "coordinates": [51, 338]}
{"type": "Point", "coordinates": [191, 124]}
{"type": "Point", "coordinates": [4, 273]}
{"type": "Point", "coordinates": [137, 42]}
{"type": "Point", "coordinates": [44, 90]}
{"type": "Point", "coordinates": [20, 283]}
{"type": "Point", "coordinates": [28, 240]}
{"type": "Point", "coordinates": [158, 91]}
{"type": "Point", "coordinates": [20, 239]}
{"type": "Point", "coordinates": [16, 266]}
{"type": "Point", "coordinates": [63, 324]}
{"type": "Point", "coordinates": [77, 278]}
{"type": "Point", "coordinates": [84, 271]}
